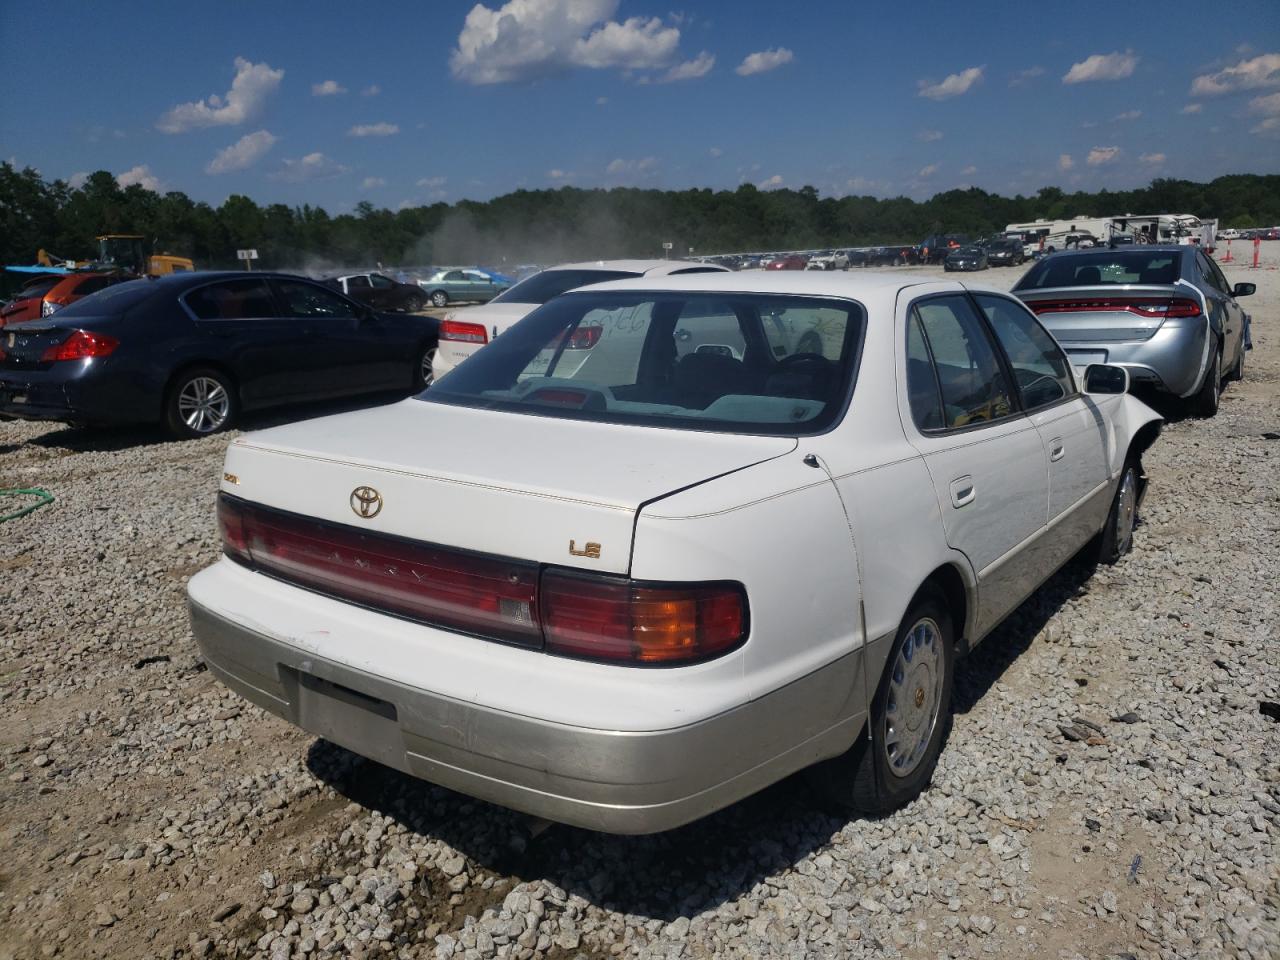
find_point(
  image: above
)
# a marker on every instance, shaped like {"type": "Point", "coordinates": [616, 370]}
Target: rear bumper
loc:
{"type": "Point", "coordinates": [82, 391]}
{"type": "Point", "coordinates": [1173, 359]}
{"type": "Point", "coordinates": [609, 780]}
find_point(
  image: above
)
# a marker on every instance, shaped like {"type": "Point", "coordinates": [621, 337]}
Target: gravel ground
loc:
{"type": "Point", "coordinates": [1110, 788]}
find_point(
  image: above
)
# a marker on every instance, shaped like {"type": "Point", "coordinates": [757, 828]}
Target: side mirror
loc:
{"type": "Point", "coordinates": [1244, 289]}
{"type": "Point", "coordinates": [1105, 378]}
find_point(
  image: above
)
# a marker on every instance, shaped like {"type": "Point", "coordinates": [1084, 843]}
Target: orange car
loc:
{"type": "Point", "coordinates": [46, 295]}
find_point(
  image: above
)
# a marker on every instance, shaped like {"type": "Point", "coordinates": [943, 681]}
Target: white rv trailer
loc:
{"type": "Point", "coordinates": [1153, 228]}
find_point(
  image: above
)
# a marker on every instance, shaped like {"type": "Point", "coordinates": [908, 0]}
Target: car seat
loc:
{"type": "Point", "coordinates": [701, 378]}
{"type": "Point", "coordinates": [1088, 275]}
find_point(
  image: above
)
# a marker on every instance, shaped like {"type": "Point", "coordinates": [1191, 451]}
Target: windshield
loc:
{"type": "Point", "coordinates": [541, 287]}
{"type": "Point", "coordinates": [733, 363]}
{"type": "Point", "coordinates": [113, 300]}
{"type": "Point", "coordinates": [1101, 268]}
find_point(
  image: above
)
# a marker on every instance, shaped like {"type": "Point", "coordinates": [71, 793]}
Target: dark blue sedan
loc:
{"type": "Point", "coordinates": [193, 350]}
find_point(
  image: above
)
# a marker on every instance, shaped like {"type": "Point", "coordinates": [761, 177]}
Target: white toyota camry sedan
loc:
{"type": "Point", "coordinates": [748, 527]}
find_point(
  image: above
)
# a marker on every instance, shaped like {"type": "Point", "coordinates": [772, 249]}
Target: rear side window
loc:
{"type": "Point", "coordinates": [969, 376]}
{"type": "Point", "coordinates": [232, 300]}
{"type": "Point", "coordinates": [1039, 365]}
{"type": "Point", "coordinates": [354, 283]}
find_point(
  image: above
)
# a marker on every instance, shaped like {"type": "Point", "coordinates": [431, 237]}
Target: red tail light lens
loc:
{"type": "Point", "coordinates": [630, 621]}
{"type": "Point", "coordinates": [575, 614]}
{"type": "Point", "coordinates": [79, 346]}
{"type": "Point", "coordinates": [463, 332]}
{"type": "Point", "coordinates": [1150, 307]}
{"type": "Point", "coordinates": [484, 595]}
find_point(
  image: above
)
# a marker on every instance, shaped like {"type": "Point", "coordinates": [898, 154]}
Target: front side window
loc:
{"type": "Point", "coordinates": [454, 276]}
{"type": "Point", "coordinates": [699, 361]}
{"type": "Point", "coordinates": [964, 360]}
{"type": "Point", "coordinates": [381, 282]}
{"type": "Point", "coordinates": [232, 300]}
{"type": "Point", "coordinates": [308, 300]}
{"type": "Point", "coordinates": [1039, 365]}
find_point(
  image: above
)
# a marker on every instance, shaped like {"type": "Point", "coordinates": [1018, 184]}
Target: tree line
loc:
{"type": "Point", "coordinates": [569, 223]}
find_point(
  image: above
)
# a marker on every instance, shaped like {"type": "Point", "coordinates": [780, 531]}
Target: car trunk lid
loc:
{"type": "Point", "coordinates": [541, 489]}
{"type": "Point", "coordinates": [1108, 312]}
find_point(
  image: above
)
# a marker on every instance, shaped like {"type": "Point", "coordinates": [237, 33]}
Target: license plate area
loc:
{"type": "Point", "coordinates": [350, 718]}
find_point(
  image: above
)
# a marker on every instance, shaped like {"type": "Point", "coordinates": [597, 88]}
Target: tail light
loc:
{"type": "Point", "coordinates": [584, 615]}
{"type": "Point", "coordinates": [49, 307]}
{"type": "Point", "coordinates": [463, 332]}
{"type": "Point", "coordinates": [1150, 307]}
{"type": "Point", "coordinates": [81, 345]}
{"type": "Point", "coordinates": [630, 621]}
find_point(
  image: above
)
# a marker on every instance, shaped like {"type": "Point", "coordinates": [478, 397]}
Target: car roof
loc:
{"type": "Point", "coordinates": [801, 283]}
{"type": "Point", "coordinates": [192, 278]}
{"type": "Point", "coordinates": [649, 268]}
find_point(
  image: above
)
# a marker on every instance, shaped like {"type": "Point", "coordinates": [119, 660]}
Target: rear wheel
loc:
{"type": "Point", "coordinates": [439, 298]}
{"type": "Point", "coordinates": [200, 402]}
{"type": "Point", "coordinates": [1204, 403]}
{"type": "Point", "coordinates": [424, 373]}
{"type": "Point", "coordinates": [415, 303]}
{"type": "Point", "coordinates": [908, 718]}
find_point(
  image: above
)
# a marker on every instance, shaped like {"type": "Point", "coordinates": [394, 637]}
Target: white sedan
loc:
{"type": "Point", "coordinates": [749, 528]}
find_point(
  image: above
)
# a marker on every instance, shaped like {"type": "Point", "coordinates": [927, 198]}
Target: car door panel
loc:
{"type": "Point", "coordinates": [339, 356]}
{"type": "Point", "coordinates": [986, 461]}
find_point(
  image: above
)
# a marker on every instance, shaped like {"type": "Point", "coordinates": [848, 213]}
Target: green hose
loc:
{"type": "Point", "coordinates": [45, 498]}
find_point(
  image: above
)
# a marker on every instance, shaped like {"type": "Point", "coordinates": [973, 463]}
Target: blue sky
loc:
{"type": "Point", "coordinates": [405, 103]}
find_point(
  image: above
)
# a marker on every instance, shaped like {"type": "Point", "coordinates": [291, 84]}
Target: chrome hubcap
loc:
{"type": "Point", "coordinates": [428, 368]}
{"type": "Point", "coordinates": [203, 404]}
{"type": "Point", "coordinates": [914, 698]}
{"type": "Point", "coordinates": [1126, 509]}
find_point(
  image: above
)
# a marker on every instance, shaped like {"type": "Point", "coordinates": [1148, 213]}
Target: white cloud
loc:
{"type": "Point", "coordinates": [1268, 108]}
{"type": "Point", "coordinates": [929, 136]}
{"type": "Point", "coordinates": [372, 90]}
{"type": "Point", "coordinates": [636, 44]}
{"type": "Point", "coordinates": [78, 180]}
{"type": "Point", "coordinates": [314, 166]}
{"type": "Point", "coordinates": [1023, 76]}
{"type": "Point", "coordinates": [373, 130]}
{"type": "Point", "coordinates": [432, 182]}
{"type": "Point", "coordinates": [1261, 71]}
{"type": "Point", "coordinates": [716, 152]}
{"type": "Point", "coordinates": [142, 176]}
{"type": "Point", "coordinates": [762, 61]}
{"type": "Point", "coordinates": [245, 152]}
{"type": "Point", "coordinates": [253, 83]}
{"type": "Point", "coordinates": [328, 88]}
{"type": "Point", "coordinates": [1155, 159]}
{"type": "Point", "coordinates": [699, 66]}
{"type": "Point", "coordinates": [1102, 66]}
{"type": "Point", "coordinates": [642, 166]}
{"type": "Point", "coordinates": [601, 101]}
{"type": "Point", "coordinates": [1102, 155]}
{"type": "Point", "coordinates": [772, 183]}
{"type": "Point", "coordinates": [1127, 115]}
{"type": "Point", "coordinates": [953, 86]}
{"type": "Point", "coordinates": [928, 171]}
{"type": "Point", "coordinates": [968, 171]}
{"type": "Point", "coordinates": [1193, 108]}
{"type": "Point", "coordinates": [372, 183]}
{"type": "Point", "coordinates": [527, 39]}
{"type": "Point", "coordinates": [557, 174]}
{"type": "Point", "coordinates": [1065, 162]}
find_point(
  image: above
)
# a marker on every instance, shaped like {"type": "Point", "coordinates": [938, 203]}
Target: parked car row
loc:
{"type": "Point", "coordinates": [654, 576]}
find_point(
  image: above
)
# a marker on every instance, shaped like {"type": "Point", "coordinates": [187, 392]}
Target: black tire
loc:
{"type": "Point", "coordinates": [439, 298]}
{"type": "Point", "coordinates": [1236, 373]}
{"type": "Point", "coordinates": [200, 402]}
{"type": "Point", "coordinates": [424, 373]}
{"type": "Point", "coordinates": [415, 303]}
{"type": "Point", "coordinates": [1204, 402]}
{"type": "Point", "coordinates": [1116, 538]}
{"type": "Point", "coordinates": [866, 779]}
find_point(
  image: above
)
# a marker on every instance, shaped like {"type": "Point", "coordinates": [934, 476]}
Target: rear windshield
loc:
{"type": "Point", "coordinates": [731, 363]}
{"type": "Point", "coordinates": [113, 300]}
{"type": "Point", "coordinates": [37, 288]}
{"type": "Point", "coordinates": [1102, 268]}
{"type": "Point", "coordinates": [541, 287]}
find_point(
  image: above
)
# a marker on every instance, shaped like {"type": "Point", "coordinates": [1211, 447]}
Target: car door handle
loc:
{"type": "Point", "coordinates": [1057, 449]}
{"type": "Point", "coordinates": [963, 492]}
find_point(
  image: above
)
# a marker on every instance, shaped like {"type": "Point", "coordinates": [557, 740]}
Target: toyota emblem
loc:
{"type": "Point", "coordinates": [366, 502]}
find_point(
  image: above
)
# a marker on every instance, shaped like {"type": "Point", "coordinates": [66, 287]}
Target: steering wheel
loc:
{"type": "Point", "coordinates": [813, 364]}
